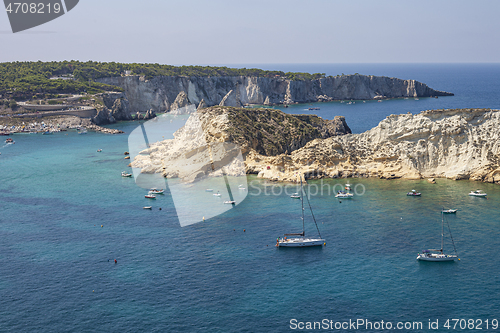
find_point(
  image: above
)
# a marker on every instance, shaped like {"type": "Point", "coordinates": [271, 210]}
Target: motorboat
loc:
{"type": "Point", "coordinates": [209, 190]}
{"type": "Point", "coordinates": [230, 202]}
{"type": "Point", "coordinates": [477, 193]}
{"type": "Point", "coordinates": [9, 140]}
{"type": "Point", "coordinates": [449, 211]}
{"type": "Point", "coordinates": [124, 174]}
{"type": "Point", "coordinates": [147, 207]}
{"type": "Point", "coordinates": [295, 196]}
{"type": "Point", "coordinates": [150, 196]}
{"type": "Point", "coordinates": [414, 193]}
{"type": "Point", "coordinates": [156, 191]}
{"type": "Point", "coordinates": [217, 194]}
{"type": "Point", "coordinates": [344, 195]}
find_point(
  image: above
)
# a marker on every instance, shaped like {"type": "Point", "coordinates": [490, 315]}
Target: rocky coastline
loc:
{"type": "Point", "coordinates": [10, 125]}
{"type": "Point", "coordinates": [455, 144]}
{"type": "Point", "coordinates": [169, 93]}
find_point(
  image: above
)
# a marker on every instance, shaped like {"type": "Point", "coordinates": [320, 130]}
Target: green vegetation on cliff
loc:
{"type": "Point", "coordinates": [269, 132]}
{"type": "Point", "coordinates": [22, 80]}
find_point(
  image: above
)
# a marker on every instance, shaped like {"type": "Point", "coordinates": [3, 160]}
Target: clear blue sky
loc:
{"type": "Point", "coordinates": [271, 31]}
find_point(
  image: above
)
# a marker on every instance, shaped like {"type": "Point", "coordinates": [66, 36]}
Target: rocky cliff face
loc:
{"type": "Point", "coordinates": [267, 132]}
{"type": "Point", "coordinates": [456, 144]}
{"type": "Point", "coordinates": [116, 107]}
{"type": "Point", "coordinates": [162, 93]}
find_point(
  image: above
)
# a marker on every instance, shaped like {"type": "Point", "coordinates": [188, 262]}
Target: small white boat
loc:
{"type": "Point", "coordinates": [295, 196]}
{"type": "Point", "coordinates": [414, 193]}
{"type": "Point", "coordinates": [344, 195]}
{"type": "Point", "coordinates": [209, 190]}
{"type": "Point", "coordinates": [99, 150]}
{"type": "Point", "coordinates": [230, 202]}
{"type": "Point", "coordinates": [147, 207]}
{"type": "Point", "coordinates": [124, 174]}
{"type": "Point", "coordinates": [156, 191]}
{"type": "Point", "coordinates": [9, 140]}
{"type": "Point", "coordinates": [217, 194]}
{"type": "Point", "coordinates": [240, 187]}
{"type": "Point", "coordinates": [477, 193]}
{"type": "Point", "coordinates": [449, 211]}
{"type": "Point", "coordinates": [348, 187]}
{"type": "Point", "coordinates": [150, 196]}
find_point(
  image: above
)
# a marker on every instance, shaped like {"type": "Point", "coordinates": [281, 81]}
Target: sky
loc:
{"type": "Point", "coordinates": [224, 32]}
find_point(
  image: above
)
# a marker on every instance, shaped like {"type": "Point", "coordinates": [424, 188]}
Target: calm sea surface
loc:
{"type": "Point", "coordinates": [66, 214]}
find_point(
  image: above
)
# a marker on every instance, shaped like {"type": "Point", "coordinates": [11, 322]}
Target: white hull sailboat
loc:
{"type": "Point", "coordinates": [439, 255]}
{"type": "Point", "coordinates": [299, 239]}
{"type": "Point", "coordinates": [301, 242]}
{"type": "Point", "coordinates": [435, 256]}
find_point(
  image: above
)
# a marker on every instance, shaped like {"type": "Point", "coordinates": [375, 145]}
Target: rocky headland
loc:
{"type": "Point", "coordinates": [455, 144]}
{"type": "Point", "coordinates": [169, 93]}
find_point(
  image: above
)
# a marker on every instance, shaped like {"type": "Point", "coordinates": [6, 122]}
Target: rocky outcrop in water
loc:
{"type": "Point", "coordinates": [166, 93]}
{"type": "Point", "coordinates": [103, 117]}
{"type": "Point", "coordinates": [455, 144]}
{"type": "Point", "coordinates": [150, 115]}
{"type": "Point", "coordinates": [268, 132]}
{"type": "Point", "coordinates": [121, 109]}
{"type": "Point", "coordinates": [116, 107]}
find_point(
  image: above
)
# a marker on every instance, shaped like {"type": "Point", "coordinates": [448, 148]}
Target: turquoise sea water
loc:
{"type": "Point", "coordinates": [57, 270]}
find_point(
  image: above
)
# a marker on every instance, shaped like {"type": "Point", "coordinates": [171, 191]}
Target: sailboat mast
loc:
{"type": "Point", "coordinates": [302, 201]}
{"type": "Point", "coordinates": [442, 231]}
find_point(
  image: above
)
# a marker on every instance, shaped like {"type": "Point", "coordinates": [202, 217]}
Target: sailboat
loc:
{"type": "Point", "coordinates": [438, 255]}
{"type": "Point", "coordinates": [300, 239]}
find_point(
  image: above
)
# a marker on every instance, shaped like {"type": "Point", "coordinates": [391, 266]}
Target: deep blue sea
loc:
{"type": "Point", "coordinates": [66, 214]}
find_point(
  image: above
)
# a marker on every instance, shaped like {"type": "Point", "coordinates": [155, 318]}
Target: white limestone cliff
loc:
{"type": "Point", "coordinates": [161, 92]}
{"type": "Point", "coordinates": [455, 144]}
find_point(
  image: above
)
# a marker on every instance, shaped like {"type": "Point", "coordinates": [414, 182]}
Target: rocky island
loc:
{"type": "Point", "coordinates": [455, 144]}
